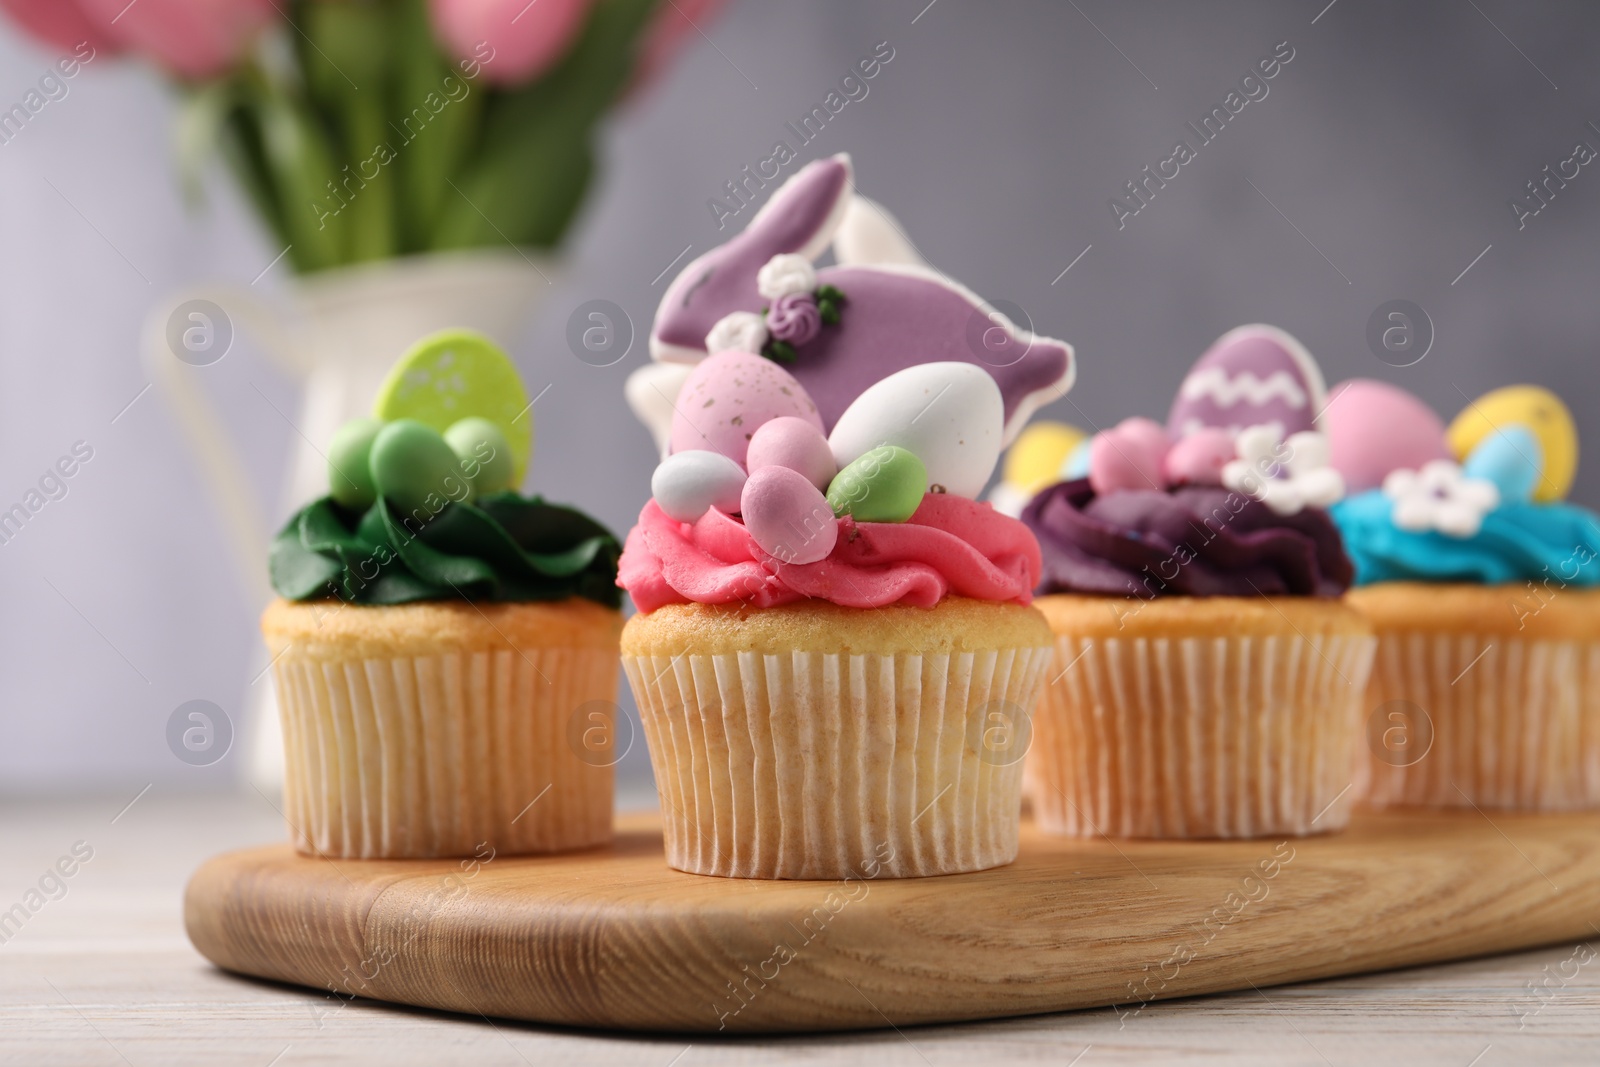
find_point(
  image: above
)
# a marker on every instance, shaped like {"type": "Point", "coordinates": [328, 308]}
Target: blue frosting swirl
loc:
{"type": "Point", "coordinates": [1518, 542]}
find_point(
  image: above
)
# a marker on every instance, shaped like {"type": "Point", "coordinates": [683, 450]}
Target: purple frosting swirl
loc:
{"type": "Point", "coordinates": [794, 318]}
{"type": "Point", "coordinates": [1190, 541]}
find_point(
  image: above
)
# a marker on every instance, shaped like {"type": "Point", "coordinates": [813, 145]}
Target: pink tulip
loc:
{"type": "Point", "coordinates": [58, 23]}
{"type": "Point", "coordinates": [191, 38]}
{"type": "Point", "coordinates": [527, 36]}
{"type": "Point", "coordinates": [670, 29]}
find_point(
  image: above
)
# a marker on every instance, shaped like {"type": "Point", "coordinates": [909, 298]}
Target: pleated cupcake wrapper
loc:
{"type": "Point", "coordinates": [443, 755]}
{"type": "Point", "coordinates": [1515, 723]}
{"type": "Point", "coordinates": [815, 765]}
{"type": "Point", "coordinates": [1199, 737]}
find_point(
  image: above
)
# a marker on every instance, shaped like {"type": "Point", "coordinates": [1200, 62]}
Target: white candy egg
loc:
{"type": "Point", "coordinates": [688, 484]}
{"type": "Point", "coordinates": [949, 414]}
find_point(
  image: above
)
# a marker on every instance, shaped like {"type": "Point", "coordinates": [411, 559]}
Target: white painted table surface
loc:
{"type": "Point", "coordinates": [105, 975]}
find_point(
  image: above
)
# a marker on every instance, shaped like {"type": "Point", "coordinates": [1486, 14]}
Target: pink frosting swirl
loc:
{"type": "Point", "coordinates": [951, 546]}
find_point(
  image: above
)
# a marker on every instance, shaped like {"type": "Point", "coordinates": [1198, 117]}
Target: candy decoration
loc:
{"type": "Point", "coordinates": [1511, 458]}
{"type": "Point", "coordinates": [451, 374]}
{"type": "Point", "coordinates": [886, 484]}
{"type": "Point", "coordinates": [728, 397]}
{"type": "Point", "coordinates": [1543, 413]}
{"type": "Point", "coordinates": [415, 471]}
{"type": "Point", "coordinates": [1286, 475]}
{"type": "Point", "coordinates": [1128, 457]}
{"type": "Point", "coordinates": [1038, 457]}
{"type": "Point", "coordinates": [1252, 376]}
{"type": "Point", "coordinates": [1199, 458]}
{"type": "Point", "coordinates": [794, 443]}
{"type": "Point", "coordinates": [897, 316]}
{"type": "Point", "coordinates": [950, 415]}
{"type": "Point", "coordinates": [1077, 462]}
{"type": "Point", "coordinates": [349, 454]}
{"type": "Point", "coordinates": [1439, 497]}
{"type": "Point", "coordinates": [1374, 428]}
{"type": "Point", "coordinates": [788, 518]}
{"type": "Point", "coordinates": [688, 484]}
{"type": "Point", "coordinates": [483, 454]}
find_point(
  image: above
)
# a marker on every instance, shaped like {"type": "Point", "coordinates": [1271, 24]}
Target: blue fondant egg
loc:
{"type": "Point", "coordinates": [1510, 457]}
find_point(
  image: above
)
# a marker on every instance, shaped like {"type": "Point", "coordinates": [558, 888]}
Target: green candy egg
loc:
{"type": "Point", "coordinates": [349, 475]}
{"type": "Point", "coordinates": [415, 471]}
{"type": "Point", "coordinates": [884, 485]}
{"type": "Point", "coordinates": [483, 453]}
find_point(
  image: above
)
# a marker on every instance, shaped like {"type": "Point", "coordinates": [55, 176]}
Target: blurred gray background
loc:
{"type": "Point", "coordinates": [1378, 167]}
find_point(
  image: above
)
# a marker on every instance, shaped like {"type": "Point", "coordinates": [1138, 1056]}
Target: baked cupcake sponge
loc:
{"type": "Point", "coordinates": [817, 741]}
{"type": "Point", "coordinates": [445, 728]}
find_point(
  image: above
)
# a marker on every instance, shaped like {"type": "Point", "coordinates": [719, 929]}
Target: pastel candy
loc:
{"type": "Point", "coordinates": [1252, 376]}
{"type": "Point", "coordinates": [1128, 456]}
{"type": "Point", "coordinates": [1038, 457]}
{"type": "Point", "coordinates": [949, 415]}
{"type": "Point", "coordinates": [349, 457]}
{"type": "Point", "coordinates": [731, 395]}
{"type": "Point", "coordinates": [1076, 464]}
{"type": "Point", "coordinates": [1539, 411]}
{"type": "Point", "coordinates": [1512, 459]}
{"type": "Point", "coordinates": [688, 484]}
{"type": "Point", "coordinates": [794, 443]}
{"type": "Point", "coordinates": [1374, 428]}
{"type": "Point", "coordinates": [885, 485]}
{"type": "Point", "coordinates": [483, 454]}
{"type": "Point", "coordinates": [415, 470]}
{"type": "Point", "coordinates": [1199, 458]}
{"type": "Point", "coordinates": [787, 517]}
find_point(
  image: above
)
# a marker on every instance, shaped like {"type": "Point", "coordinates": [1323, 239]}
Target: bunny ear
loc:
{"type": "Point", "coordinates": [870, 235]}
{"type": "Point", "coordinates": [652, 392]}
{"type": "Point", "coordinates": [800, 218]}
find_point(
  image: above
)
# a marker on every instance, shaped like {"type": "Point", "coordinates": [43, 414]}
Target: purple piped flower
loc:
{"type": "Point", "coordinates": [794, 318]}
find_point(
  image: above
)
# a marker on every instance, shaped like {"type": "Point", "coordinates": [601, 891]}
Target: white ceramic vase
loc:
{"type": "Point", "coordinates": [338, 333]}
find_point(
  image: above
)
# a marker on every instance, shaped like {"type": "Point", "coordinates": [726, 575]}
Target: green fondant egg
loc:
{"type": "Point", "coordinates": [885, 484]}
{"type": "Point", "coordinates": [415, 470]}
{"type": "Point", "coordinates": [484, 454]}
{"type": "Point", "coordinates": [349, 473]}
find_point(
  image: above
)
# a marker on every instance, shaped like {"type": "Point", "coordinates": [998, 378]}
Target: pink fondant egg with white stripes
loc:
{"type": "Point", "coordinates": [1252, 376]}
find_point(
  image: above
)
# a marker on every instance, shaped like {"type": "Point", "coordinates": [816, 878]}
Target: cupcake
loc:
{"type": "Point", "coordinates": [834, 650]}
{"type": "Point", "coordinates": [444, 649]}
{"type": "Point", "coordinates": [1482, 585]}
{"type": "Point", "coordinates": [1208, 675]}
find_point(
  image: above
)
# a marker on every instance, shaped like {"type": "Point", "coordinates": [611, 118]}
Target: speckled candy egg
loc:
{"type": "Point", "coordinates": [949, 415]}
{"type": "Point", "coordinates": [728, 397]}
{"type": "Point", "coordinates": [788, 517]}
{"type": "Point", "coordinates": [1199, 458]}
{"type": "Point", "coordinates": [794, 443]}
{"type": "Point", "coordinates": [688, 484]}
{"type": "Point", "coordinates": [1374, 428]}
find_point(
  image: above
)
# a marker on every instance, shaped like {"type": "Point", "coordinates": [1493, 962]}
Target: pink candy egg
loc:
{"type": "Point", "coordinates": [794, 443]}
{"type": "Point", "coordinates": [1199, 458]}
{"type": "Point", "coordinates": [728, 397]}
{"type": "Point", "coordinates": [1128, 456]}
{"type": "Point", "coordinates": [1374, 428]}
{"type": "Point", "coordinates": [787, 516]}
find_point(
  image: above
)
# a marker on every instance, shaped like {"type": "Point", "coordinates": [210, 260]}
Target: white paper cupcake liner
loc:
{"type": "Point", "coordinates": [1226, 737]}
{"type": "Point", "coordinates": [440, 755]}
{"type": "Point", "coordinates": [1515, 723]}
{"type": "Point", "coordinates": [816, 765]}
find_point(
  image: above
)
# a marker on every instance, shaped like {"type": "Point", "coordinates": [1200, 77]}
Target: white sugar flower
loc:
{"type": "Point", "coordinates": [1287, 476]}
{"type": "Point", "coordinates": [1440, 497]}
{"type": "Point", "coordinates": [785, 274]}
{"type": "Point", "coordinates": [738, 331]}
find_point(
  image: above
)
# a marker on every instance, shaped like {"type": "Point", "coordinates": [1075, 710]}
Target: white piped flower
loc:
{"type": "Point", "coordinates": [1289, 476]}
{"type": "Point", "coordinates": [737, 331]}
{"type": "Point", "coordinates": [785, 274]}
{"type": "Point", "coordinates": [1440, 497]}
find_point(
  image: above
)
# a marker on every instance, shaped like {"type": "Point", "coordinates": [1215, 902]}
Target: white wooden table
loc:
{"type": "Point", "coordinates": [104, 975]}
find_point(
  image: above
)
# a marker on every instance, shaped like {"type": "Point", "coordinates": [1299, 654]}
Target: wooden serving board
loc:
{"type": "Point", "coordinates": [615, 939]}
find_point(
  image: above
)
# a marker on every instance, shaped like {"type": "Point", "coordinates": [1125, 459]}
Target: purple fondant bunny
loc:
{"type": "Point", "coordinates": [896, 312]}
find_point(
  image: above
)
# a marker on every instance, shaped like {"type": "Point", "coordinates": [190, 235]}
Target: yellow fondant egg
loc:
{"type": "Point", "coordinates": [1544, 415]}
{"type": "Point", "coordinates": [1035, 460]}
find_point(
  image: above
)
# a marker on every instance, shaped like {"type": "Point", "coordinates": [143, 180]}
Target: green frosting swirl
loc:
{"type": "Point", "coordinates": [503, 548]}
